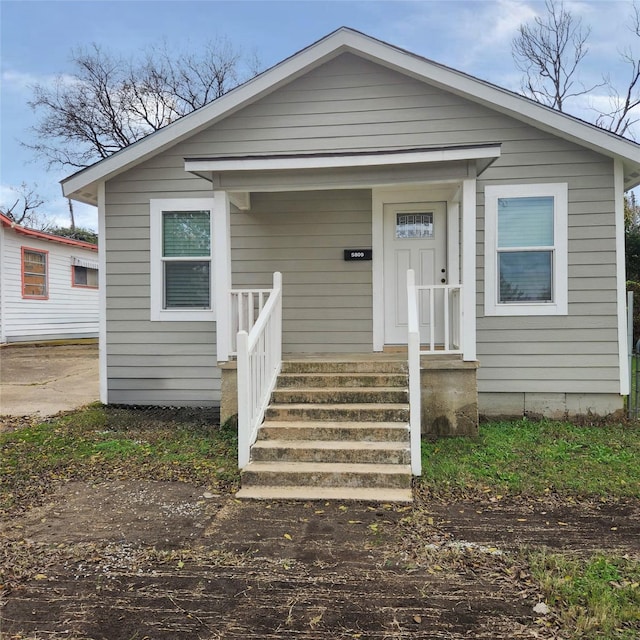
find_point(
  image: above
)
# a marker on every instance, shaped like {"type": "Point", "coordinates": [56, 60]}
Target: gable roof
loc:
{"type": "Point", "coordinates": [83, 184]}
{"type": "Point", "coordinates": [5, 221]}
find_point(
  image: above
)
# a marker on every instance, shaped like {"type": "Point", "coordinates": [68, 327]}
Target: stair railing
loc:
{"type": "Point", "coordinates": [413, 349]}
{"type": "Point", "coordinates": [245, 305]}
{"type": "Point", "coordinates": [259, 354]}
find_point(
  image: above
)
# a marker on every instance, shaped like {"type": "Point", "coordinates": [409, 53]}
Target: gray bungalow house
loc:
{"type": "Point", "coordinates": [362, 230]}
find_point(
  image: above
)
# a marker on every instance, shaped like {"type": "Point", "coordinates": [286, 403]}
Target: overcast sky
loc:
{"type": "Point", "coordinates": [471, 35]}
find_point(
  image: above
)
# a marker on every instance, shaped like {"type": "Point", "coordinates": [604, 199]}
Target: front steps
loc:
{"type": "Point", "coordinates": [334, 430]}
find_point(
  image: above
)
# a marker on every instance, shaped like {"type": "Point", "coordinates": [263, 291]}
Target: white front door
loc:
{"type": "Point", "coordinates": [414, 238]}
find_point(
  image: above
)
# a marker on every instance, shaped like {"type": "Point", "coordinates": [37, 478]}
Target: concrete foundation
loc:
{"type": "Point", "coordinates": [549, 405]}
{"type": "Point", "coordinates": [228, 391]}
{"type": "Point", "coordinates": [449, 397]}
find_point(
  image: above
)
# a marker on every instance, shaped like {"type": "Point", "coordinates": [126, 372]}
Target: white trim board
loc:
{"type": "Point", "coordinates": [621, 283]}
{"type": "Point", "coordinates": [337, 161]}
{"type": "Point", "coordinates": [102, 296]}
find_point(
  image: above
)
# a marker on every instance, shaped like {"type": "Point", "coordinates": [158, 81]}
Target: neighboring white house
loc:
{"type": "Point", "coordinates": [48, 285]}
{"type": "Point", "coordinates": [355, 145]}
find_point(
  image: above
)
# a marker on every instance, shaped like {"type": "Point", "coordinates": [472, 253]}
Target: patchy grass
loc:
{"type": "Point", "coordinates": [105, 442]}
{"type": "Point", "coordinates": [530, 457]}
{"type": "Point", "coordinates": [590, 597]}
{"type": "Point", "coordinates": [596, 597]}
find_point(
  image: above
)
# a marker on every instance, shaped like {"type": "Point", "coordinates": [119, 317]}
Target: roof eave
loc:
{"type": "Point", "coordinates": [83, 184]}
{"type": "Point", "coordinates": [43, 235]}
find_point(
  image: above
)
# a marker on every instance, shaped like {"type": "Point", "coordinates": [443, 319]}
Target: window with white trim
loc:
{"type": "Point", "coordinates": [181, 259]}
{"type": "Point", "coordinates": [526, 249]}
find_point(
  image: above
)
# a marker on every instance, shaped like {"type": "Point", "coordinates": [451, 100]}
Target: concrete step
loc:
{"type": "Point", "coordinates": [321, 474]}
{"type": "Point", "coordinates": [328, 430]}
{"type": "Point", "coordinates": [340, 395]}
{"type": "Point", "coordinates": [367, 412]}
{"type": "Point", "coordinates": [365, 452]}
{"type": "Point", "coordinates": [364, 494]}
{"type": "Point", "coordinates": [344, 366]}
{"type": "Point", "coordinates": [357, 380]}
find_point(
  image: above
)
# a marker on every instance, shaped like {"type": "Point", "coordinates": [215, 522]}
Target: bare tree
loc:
{"type": "Point", "coordinates": [109, 102]}
{"type": "Point", "coordinates": [24, 209]}
{"type": "Point", "coordinates": [623, 112]}
{"type": "Point", "coordinates": [549, 52]}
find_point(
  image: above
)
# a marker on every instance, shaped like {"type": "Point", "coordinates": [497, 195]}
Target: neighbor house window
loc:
{"type": "Point", "coordinates": [35, 274]}
{"type": "Point", "coordinates": [526, 249]}
{"type": "Point", "coordinates": [181, 256]}
{"type": "Point", "coordinates": [84, 273]}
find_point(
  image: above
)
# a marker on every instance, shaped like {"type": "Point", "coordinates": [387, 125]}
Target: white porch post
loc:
{"type": "Point", "coordinates": [469, 269]}
{"type": "Point", "coordinates": [222, 272]}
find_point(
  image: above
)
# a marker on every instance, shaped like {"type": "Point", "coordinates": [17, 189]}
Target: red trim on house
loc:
{"type": "Point", "coordinates": [79, 286]}
{"type": "Point", "coordinates": [46, 273]}
{"type": "Point", "coordinates": [42, 235]}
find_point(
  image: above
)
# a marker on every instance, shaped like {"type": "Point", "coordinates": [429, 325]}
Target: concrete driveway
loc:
{"type": "Point", "coordinates": [45, 380]}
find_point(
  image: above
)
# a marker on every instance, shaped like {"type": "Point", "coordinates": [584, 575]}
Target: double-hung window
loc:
{"type": "Point", "coordinates": [181, 259]}
{"type": "Point", "coordinates": [526, 249]}
{"type": "Point", "coordinates": [35, 274]}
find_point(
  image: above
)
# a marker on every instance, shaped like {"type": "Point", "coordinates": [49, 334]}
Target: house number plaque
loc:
{"type": "Point", "coordinates": [357, 254]}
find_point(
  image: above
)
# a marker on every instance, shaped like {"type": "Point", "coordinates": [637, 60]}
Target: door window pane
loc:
{"type": "Point", "coordinates": [525, 276]}
{"type": "Point", "coordinates": [414, 225]}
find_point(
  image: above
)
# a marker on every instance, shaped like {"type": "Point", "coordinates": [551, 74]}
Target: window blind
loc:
{"type": "Point", "coordinates": [187, 285]}
{"type": "Point", "coordinates": [186, 234]}
{"type": "Point", "coordinates": [525, 222]}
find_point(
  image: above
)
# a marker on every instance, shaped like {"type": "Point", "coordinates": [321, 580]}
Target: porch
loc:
{"type": "Point", "coordinates": [378, 253]}
{"type": "Point", "coordinates": [345, 425]}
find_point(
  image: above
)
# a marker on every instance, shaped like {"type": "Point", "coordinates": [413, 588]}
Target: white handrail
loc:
{"type": "Point", "coordinates": [259, 354]}
{"type": "Point", "coordinates": [413, 348]}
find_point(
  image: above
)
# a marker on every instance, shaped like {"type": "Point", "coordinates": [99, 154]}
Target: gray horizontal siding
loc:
{"type": "Point", "coordinates": [327, 302]}
{"type": "Point", "coordinates": [577, 353]}
{"type": "Point", "coordinates": [350, 104]}
{"type": "Point", "coordinates": [163, 363]}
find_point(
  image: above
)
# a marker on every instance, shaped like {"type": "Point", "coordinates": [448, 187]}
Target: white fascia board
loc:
{"type": "Point", "coordinates": [204, 117]}
{"type": "Point", "coordinates": [500, 100]}
{"type": "Point", "coordinates": [339, 161]}
{"type": "Point", "coordinates": [346, 40]}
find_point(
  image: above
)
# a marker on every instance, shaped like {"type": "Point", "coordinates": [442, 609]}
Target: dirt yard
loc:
{"type": "Point", "coordinates": [124, 560]}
